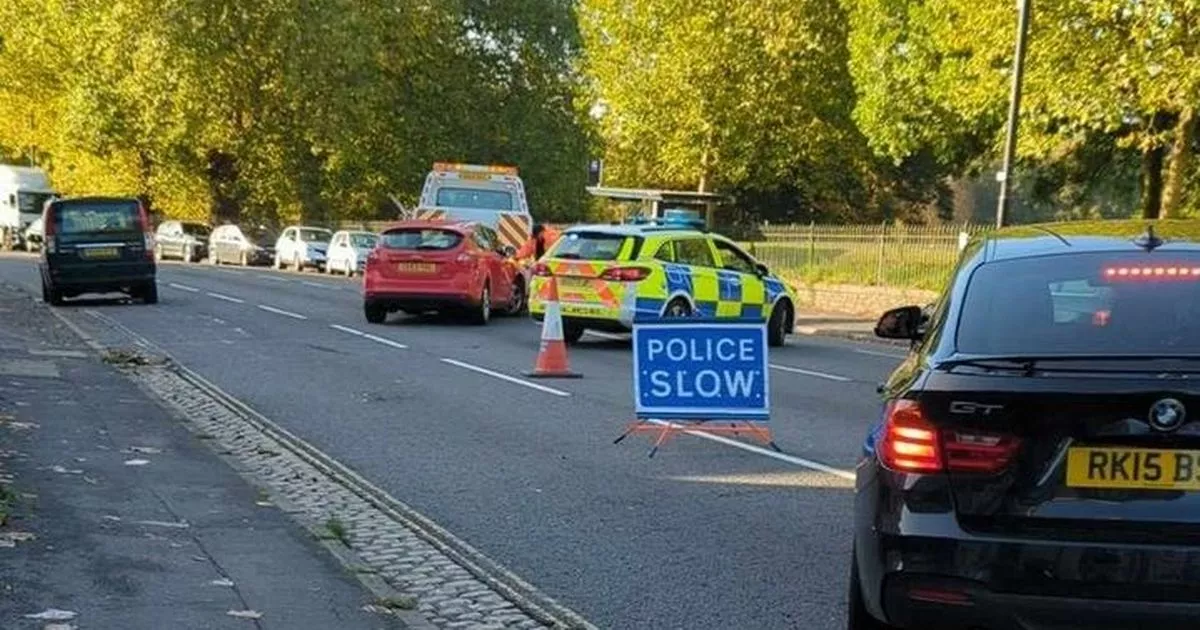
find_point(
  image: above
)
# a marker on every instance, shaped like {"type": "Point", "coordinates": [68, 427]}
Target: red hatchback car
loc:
{"type": "Point", "coordinates": [422, 266]}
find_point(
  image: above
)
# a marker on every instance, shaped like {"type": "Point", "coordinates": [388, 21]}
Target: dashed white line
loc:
{"type": "Point", "coordinates": [505, 377]}
{"type": "Point", "coordinates": [275, 278]}
{"type": "Point", "coordinates": [813, 373]}
{"type": "Point", "coordinates": [365, 335]}
{"type": "Point", "coordinates": [783, 457]}
{"type": "Point", "coordinates": [229, 271]}
{"type": "Point", "coordinates": [183, 287]}
{"type": "Point", "coordinates": [317, 285]}
{"type": "Point", "coordinates": [227, 298]}
{"type": "Point", "coordinates": [873, 353]}
{"type": "Point", "coordinates": [279, 311]}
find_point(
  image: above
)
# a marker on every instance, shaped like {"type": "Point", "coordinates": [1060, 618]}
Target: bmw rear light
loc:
{"type": "Point", "coordinates": [541, 269]}
{"type": "Point", "coordinates": [912, 444]}
{"type": "Point", "coordinates": [625, 274]}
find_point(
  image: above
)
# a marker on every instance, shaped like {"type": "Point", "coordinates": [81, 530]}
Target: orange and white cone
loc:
{"type": "Point", "coordinates": [552, 355]}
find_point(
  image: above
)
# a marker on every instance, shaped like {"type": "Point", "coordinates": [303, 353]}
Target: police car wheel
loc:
{"type": "Point", "coordinates": [781, 318]}
{"type": "Point", "coordinates": [572, 334]}
{"type": "Point", "coordinates": [678, 308]}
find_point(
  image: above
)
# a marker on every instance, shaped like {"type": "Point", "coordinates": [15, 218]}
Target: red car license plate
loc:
{"type": "Point", "coordinates": [416, 267]}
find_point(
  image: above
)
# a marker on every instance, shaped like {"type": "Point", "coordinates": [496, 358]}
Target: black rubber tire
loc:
{"type": "Point", "coordinates": [857, 617]}
{"type": "Point", "coordinates": [520, 299]}
{"type": "Point", "coordinates": [149, 293]}
{"type": "Point", "coordinates": [572, 334]}
{"type": "Point", "coordinates": [374, 313]}
{"type": "Point", "coordinates": [780, 325]}
{"type": "Point", "coordinates": [481, 314]}
{"type": "Point", "coordinates": [51, 295]}
{"type": "Point", "coordinates": [678, 307]}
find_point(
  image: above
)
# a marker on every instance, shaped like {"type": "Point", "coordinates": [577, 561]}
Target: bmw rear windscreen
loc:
{"type": "Point", "coordinates": [1084, 304]}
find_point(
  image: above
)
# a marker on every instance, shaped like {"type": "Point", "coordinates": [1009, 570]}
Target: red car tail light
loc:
{"type": "Point", "coordinates": [541, 269]}
{"type": "Point", "coordinates": [912, 444]}
{"type": "Point", "coordinates": [625, 274]}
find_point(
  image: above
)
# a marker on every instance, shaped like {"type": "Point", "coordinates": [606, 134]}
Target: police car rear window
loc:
{"type": "Point", "coordinates": [416, 239]}
{"type": "Point", "coordinates": [1089, 303]}
{"type": "Point", "coordinates": [589, 246]}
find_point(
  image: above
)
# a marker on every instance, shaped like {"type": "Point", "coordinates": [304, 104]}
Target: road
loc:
{"type": "Point", "coordinates": [704, 535]}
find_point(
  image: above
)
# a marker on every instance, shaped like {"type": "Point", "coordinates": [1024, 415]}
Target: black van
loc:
{"type": "Point", "coordinates": [97, 245]}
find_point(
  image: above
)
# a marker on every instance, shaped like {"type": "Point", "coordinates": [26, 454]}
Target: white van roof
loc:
{"type": "Point", "coordinates": [24, 178]}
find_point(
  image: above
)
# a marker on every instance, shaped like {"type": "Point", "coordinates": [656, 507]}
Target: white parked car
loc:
{"type": "Point", "coordinates": [301, 247]}
{"type": "Point", "coordinates": [348, 251]}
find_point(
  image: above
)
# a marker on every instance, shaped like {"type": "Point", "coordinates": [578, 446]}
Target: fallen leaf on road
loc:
{"type": "Point", "coordinates": [149, 450]}
{"type": "Point", "coordinates": [245, 614]}
{"type": "Point", "coordinates": [136, 462]}
{"type": "Point", "coordinates": [222, 582]}
{"type": "Point", "coordinates": [53, 614]}
{"type": "Point", "coordinates": [10, 539]}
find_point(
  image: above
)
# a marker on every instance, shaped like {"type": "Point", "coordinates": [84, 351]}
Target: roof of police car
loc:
{"type": "Point", "coordinates": [635, 229]}
{"type": "Point", "coordinates": [1090, 236]}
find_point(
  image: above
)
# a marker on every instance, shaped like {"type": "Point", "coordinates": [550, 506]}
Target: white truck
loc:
{"type": "Point", "coordinates": [24, 192]}
{"type": "Point", "coordinates": [491, 195]}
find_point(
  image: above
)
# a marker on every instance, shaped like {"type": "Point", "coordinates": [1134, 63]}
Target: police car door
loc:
{"type": "Point", "coordinates": [696, 255]}
{"type": "Point", "coordinates": [741, 283]}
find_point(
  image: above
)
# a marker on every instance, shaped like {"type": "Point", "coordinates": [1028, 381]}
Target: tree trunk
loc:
{"type": "Point", "coordinates": [1152, 182]}
{"type": "Point", "coordinates": [1180, 164]}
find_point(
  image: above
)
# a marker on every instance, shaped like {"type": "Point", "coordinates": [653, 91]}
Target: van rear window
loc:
{"type": "Point", "coordinates": [96, 217]}
{"type": "Point", "coordinates": [427, 239]}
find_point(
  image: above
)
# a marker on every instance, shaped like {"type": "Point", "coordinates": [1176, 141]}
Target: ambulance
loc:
{"type": "Point", "coordinates": [491, 195]}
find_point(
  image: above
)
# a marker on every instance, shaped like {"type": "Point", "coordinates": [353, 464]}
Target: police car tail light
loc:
{"type": "Point", "coordinates": [541, 269]}
{"type": "Point", "coordinates": [909, 442]}
{"type": "Point", "coordinates": [625, 274]}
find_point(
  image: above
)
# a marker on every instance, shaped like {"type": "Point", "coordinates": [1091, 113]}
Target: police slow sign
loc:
{"type": "Point", "coordinates": [688, 370]}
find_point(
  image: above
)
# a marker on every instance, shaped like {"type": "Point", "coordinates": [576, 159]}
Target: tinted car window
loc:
{"type": "Point", "coordinates": [1083, 304]}
{"type": "Point", "coordinates": [259, 236]}
{"type": "Point", "coordinates": [589, 246]}
{"type": "Point", "coordinates": [310, 235]}
{"type": "Point", "coordinates": [96, 217]}
{"type": "Point", "coordinates": [421, 239]}
{"type": "Point", "coordinates": [694, 251]}
{"type": "Point", "coordinates": [196, 229]}
{"type": "Point", "coordinates": [734, 259]}
{"type": "Point", "coordinates": [364, 240]}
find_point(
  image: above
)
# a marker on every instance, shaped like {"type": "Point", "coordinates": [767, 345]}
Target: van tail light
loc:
{"type": "Point", "coordinates": [49, 233]}
{"type": "Point", "coordinates": [625, 274]}
{"type": "Point", "coordinates": [912, 444]}
{"type": "Point", "coordinates": [541, 269]}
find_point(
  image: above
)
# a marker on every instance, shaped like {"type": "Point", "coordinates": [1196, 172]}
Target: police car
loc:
{"type": "Point", "coordinates": [608, 275]}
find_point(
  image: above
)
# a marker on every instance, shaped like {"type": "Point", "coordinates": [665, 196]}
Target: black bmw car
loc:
{"type": "Point", "coordinates": [1037, 464]}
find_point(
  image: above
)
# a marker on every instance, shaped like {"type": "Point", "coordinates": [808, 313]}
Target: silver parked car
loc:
{"type": "Point", "coordinates": [348, 251]}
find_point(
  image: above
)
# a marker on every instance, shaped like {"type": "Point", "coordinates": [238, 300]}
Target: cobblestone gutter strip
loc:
{"type": "Point", "coordinates": [453, 585]}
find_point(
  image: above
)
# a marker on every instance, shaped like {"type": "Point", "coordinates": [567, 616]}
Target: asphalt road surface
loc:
{"type": "Point", "coordinates": [704, 535]}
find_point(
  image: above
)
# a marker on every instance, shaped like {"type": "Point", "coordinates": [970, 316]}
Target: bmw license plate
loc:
{"type": "Point", "coordinates": [1133, 468]}
{"type": "Point", "coordinates": [99, 253]}
{"type": "Point", "coordinates": [416, 267]}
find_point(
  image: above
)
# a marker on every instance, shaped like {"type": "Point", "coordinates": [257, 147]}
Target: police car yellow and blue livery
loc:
{"type": "Point", "coordinates": [608, 275]}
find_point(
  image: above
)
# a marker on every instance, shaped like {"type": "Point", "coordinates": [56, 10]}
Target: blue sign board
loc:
{"type": "Point", "coordinates": [689, 370]}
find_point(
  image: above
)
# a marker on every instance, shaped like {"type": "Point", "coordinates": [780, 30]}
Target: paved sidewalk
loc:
{"type": "Point", "coordinates": [120, 518]}
{"type": "Point", "coordinates": [836, 325]}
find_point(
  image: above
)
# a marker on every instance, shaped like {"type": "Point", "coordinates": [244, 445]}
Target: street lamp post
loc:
{"type": "Point", "coordinates": [1024, 8]}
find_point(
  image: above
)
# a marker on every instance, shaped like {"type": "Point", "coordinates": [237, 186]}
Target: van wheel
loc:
{"type": "Point", "coordinates": [375, 313]}
{"type": "Point", "coordinates": [149, 293]}
{"type": "Point", "coordinates": [678, 307]}
{"type": "Point", "coordinates": [483, 312]}
{"type": "Point", "coordinates": [780, 325]}
{"type": "Point", "coordinates": [857, 617]}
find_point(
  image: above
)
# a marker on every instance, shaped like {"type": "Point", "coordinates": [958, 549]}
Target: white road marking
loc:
{"type": "Point", "coordinates": [824, 375]}
{"type": "Point", "coordinates": [279, 311]}
{"type": "Point", "coordinates": [505, 377]}
{"type": "Point", "coordinates": [385, 341]}
{"type": "Point", "coordinates": [347, 329]}
{"type": "Point", "coordinates": [229, 271]}
{"type": "Point", "coordinates": [783, 457]}
{"type": "Point", "coordinates": [183, 287]}
{"type": "Point", "coordinates": [604, 335]}
{"type": "Point", "coordinates": [889, 355]}
{"type": "Point", "coordinates": [318, 285]}
{"type": "Point", "coordinates": [225, 297]}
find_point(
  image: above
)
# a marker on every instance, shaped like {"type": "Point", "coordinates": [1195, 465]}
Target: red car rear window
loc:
{"type": "Point", "coordinates": [420, 238]}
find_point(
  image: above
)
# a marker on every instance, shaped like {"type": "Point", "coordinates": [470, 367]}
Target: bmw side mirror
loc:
{"type": "Point", "coordinates": [901, 323]}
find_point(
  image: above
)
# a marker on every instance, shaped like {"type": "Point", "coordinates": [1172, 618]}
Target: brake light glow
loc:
{"type": "Point", "coordinates": [625, 274]}
{"type": "Point", "coordinates": [1159, 272]}
{"type": "Point", "coordinates": [541, 269]}
{"type": "Point", "coordinates": [912, 444]}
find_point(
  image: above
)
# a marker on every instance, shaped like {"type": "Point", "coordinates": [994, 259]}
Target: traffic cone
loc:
{"type": "Point", "coordinates": [552, 355]}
